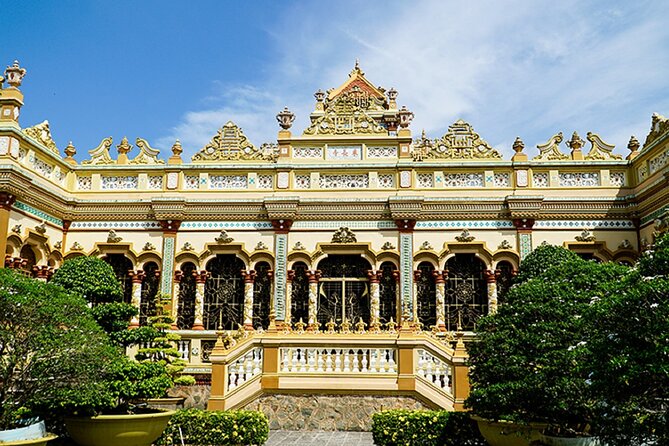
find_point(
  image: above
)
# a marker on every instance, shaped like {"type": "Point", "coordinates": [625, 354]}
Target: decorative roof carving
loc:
{"type": "Point", "coordinates": [100, 154]}
{"type": "Point", "coordinates": [42, 134]}
{"type": "Point", "coordinates": [230, 144]}
{"type": "Point", "coordinates": [14, 74]}
{"type": "Point", "coordinates": [465, 236]}
{"type": "Point", "coordinates": [344, 115]}
{"type": "Point", "coordinates": [550, 151]}
{"type": "Point", "coordinates": [460, 142]}
{"type": "Point", "coordinates": [585, 236]}
{"type": "Point", "coordinates": [147, 154]}
{"type": "Point", "coordinates": [344, 235]}
{"type": "Point", "coordinates": [659, 126]}
{"type": "Point", "coordinates": [600, 150]}
{"type": "Point", "coordinates": [112, 237]}
{"type": "Point", "coordinates": [224, 237]}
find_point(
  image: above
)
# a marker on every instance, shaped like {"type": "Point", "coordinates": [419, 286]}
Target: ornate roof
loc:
{"type": "Point", "coordinates": [230, 144]}
{"type": "Point", "coordinates": [460, 142]}
{"type": "Point", "coordinates": [42, 134]}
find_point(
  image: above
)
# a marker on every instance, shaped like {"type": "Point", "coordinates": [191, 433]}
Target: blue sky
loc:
{"type": "Point", "coordinates": [163, 70]}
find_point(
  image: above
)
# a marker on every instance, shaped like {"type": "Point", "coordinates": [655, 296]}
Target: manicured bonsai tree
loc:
{"type": "Point", "coordinates": [626, 354]}
{"type": "Point", "coordinates": [53, 356]}
{"type": "Point", "coordinates": [525, 362]}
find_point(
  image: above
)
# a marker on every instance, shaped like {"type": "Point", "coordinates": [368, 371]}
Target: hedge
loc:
{"type": "Point", "coordinates": [425, 428]}
{"type": "Point", "coordinates": [217, 427]}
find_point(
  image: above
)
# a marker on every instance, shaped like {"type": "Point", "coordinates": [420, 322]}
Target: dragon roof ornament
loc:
{"type": "Point", "coordinates": [600, 150]}
{"type": "Point", "coordinates": [42, 134]}
{"type": "Point", "coordinates": [230, 144]}
{"type": "Point", "coordinates": [460, 142]}
{"type": "Point", "coordinates": [550, 150]}
{"type": "Point", "coordinates": [100, 154]}
{"type": "Point", "coordinates": [147, 154]}
{"type": "Point", "coordinates": [659, 126]}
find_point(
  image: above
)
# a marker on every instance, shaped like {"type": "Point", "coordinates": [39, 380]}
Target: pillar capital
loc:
{"type": "Point", "coordinates": [405, 225]}
{"type": "Point", "coordinates": [523, 224]}
{"type": "Point", "coordinates": [170, 226]}
{"type": "Point", "coordinates": [201, 276]}
{"type": "Point", "coordinates": [6, 200]}
{"type": "Point", "coordinates": [282, 226]}
{"type": "Point", "coordinates": [374, 276]}
{"type": "Point", "coordinates": [290, 275]}
{"type": "Point", "coordinates": [314, 276]}
{"type": "Point", "coordinates": [42, 272]}
{"type": "Point", "coordinates": [440, 276]}
{"type": "Point", "coordinates": [137, 276]}
{"type": "Point", "coordinates": [417, 275]}
{"type": "Point", "coordinates": [490, 275]}
{"type": "Point", "coordinates": [249, 275]}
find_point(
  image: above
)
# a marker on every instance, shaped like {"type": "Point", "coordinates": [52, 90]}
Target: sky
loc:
{"type": "Point", "coordinates": [163, 70]}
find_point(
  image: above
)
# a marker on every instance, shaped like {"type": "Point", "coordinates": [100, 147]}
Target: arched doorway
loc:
{"type": "Point", "coordinates": [224, 293]}
{"type": "Point", "coordinates": [504, 275]}
{"type": "Point", "coordinates": [262, 288]}
{"type": "Point", "coordinates": [28, 255]}
{"type": "Point", "coordinates": [121, 265]}
{"type": "Point", "coordinates": [186, 299]}
{"type": "Point", "coordinates": [150, 285]}
{"type": "Point", "coordinates": [426, 295]}
{"type": "Point", "coordinates": [343, 291]}
{"type": "Point", "coordinates": [388, 293]}
{"type": "Point", "coordinates": [299, 296]}
{"type": "Point", "coordinates": [466, 292]}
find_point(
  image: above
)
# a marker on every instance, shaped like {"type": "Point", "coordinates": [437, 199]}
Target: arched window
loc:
{"type": "Point", "coordinates": [186, 298]}
{"type": "Point", "coordinates": [299, 297]}
{"type": "Point", "coordinates": [262, 288]}
{"type": "Point", "coordinates": [504, 275]}
{"type": "Point", "coordinates": [466, 292]}
{"type": "Point", "coordinates": [426, 295]}
{"type": "Point", "coordinates": [388, 292]}
{"type": "Point", "coordinates": [343, 292]}
{"type": "Point", "coordinates": [121, 265]}
{"type": "Point", "coordinates": [224, 293]}
{"type": "Point", "coordinates": [28, 254]}
{"type": "Point", "coordinates": [150, 285]}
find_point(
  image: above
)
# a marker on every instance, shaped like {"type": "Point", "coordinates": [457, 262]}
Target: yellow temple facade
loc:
{"type": "Point", "coordinates": [354, 248]}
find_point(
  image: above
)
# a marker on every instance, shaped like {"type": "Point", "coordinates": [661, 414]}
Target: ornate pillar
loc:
{"type": "Point", "coordinates": [407, 287]}
{"type": "Point", "coordinates": [281, 229]}
{"type": "Point", "coordinates": [288, 316]}
{"type": "Point", "coordinates": [440, 282]}
{"type": "Point", "coordinates": [6, 202]}
{"type": "Point", "coordinates": [398, 296]}
{"type": "Point", "coordinates": [374, 299]}
{"type": "Point", "coordinates": [178, 276]}
{"type": "Point", "coordinates": [42, 272]}
{"type": "Point", "coordinates": [417, 274]}
{"type": "Point", "coordinates": [249, 280]}
{"type": "Point", "coordinates": [314, 276]}
{"type": "Point", "coordinates": [491, 280]}
{"type": "Point", "coordinates": [200, 279]}
{"type": "Point", "coordinates": [170, 228]}
{"type": "Point", "coordinates": [137, 279]}
{"type": "Point", "coordinates": [524, 232]}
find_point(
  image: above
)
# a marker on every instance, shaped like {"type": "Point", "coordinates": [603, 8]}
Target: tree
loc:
{"type": "Point", "coordinates": [541, 259]}
{"type": "Point", "coordinates": [91, 277]}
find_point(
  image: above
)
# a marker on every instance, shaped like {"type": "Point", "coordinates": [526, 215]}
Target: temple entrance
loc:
{"type": "Point", "coordinates": [343, 292]}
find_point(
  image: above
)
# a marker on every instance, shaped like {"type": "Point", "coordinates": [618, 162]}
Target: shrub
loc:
{"type": "Point", "coordinates": [541, 259]}
{"type": "Point", "coordinates": [223, 428]}
{"type": "Point", "coordinates": [425, 428]}
{"type": "Point", "coordinates": [90, 277]}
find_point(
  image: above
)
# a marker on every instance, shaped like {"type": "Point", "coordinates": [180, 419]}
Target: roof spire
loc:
{"type": "Point", "coordinates": [356, 69]}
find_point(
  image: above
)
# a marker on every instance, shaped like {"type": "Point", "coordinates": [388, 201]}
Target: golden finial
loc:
{"type": "Point", "coordinates": [391, 325]}
{"type": "Point", "coordinates": [360, 326]}
{"type": "Point", "coordinates": [331, 326]}
{"type": "Point", "coordinates": [346, 326]}
{"type": "Point", "coordinates": [124, 147]}
{"type": "Point", "coordinates": [300, 325]}
{"type": "Point", "coordinates": [70, 150]}
{"type": "Point", "coordinates": [518, 145]}
{"type": "Point", "coordinates": [176, 148]}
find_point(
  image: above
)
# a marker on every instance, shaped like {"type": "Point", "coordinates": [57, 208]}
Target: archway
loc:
{"type": "Point", "coordinates": [121, 265]}
{"type": "Point", "coordinates": [150, 286]}
{"type": "Point", "coordinates": [466, 292]}
{"type": "Point", "coordinates": [426, 292]}
{"type": "Point", "coordinates": [262, 288]}
{"type": "Point", "coordinates": [299, 296]}
{"type": "Point", "coordinates": [388, 293]}
{"type": "Point", "coordinates": [28, 255]}
{"type": "Point", "coordinates": [224, 293]}
{"type": "Point", "coordinates": [186, 298]}
{"type": "Point", "coordinates": [343, 291]}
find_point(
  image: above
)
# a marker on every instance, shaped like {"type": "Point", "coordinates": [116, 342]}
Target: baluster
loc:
{"type": "Point", "coordinates": [382, 361]}
{"type": "Point", "coordinates": [319, 362]}
{"type": "Point", "coordinates": [328, 360]}
{"type": "Point", "coordinates": [240, 372]}
{"type": "Point", "coordinates": [421, 363]}
{"type": "Point", "coordinates": [373, 360]}
{"type": "Point", "coordinates": [293, 359]}
{"type": "Point", "coordinates": [428, 372]}
{"type": "Point", "coordinates": [365, 352]}
{"type": "Point", "coordinates": [438, 374]}
{"type": "Point", "coordinates": [256, 362]}
{"type": "Point", "coordinates": [232, 381]}
{"type": "Point", "coordinates": [391, 361]}
{"type": "Point", "coordinates": [302, 359]}
{"type": "Point", "coordinates": [337, 360]}
{"type": "Point", "coordinates": [347, 361]}
{"type": "Point", "coordinates": [356, 363]}
{"type": "Point", "coordinates": [249, 366]}
{"type": "Point", "coordinates": [311, 354]}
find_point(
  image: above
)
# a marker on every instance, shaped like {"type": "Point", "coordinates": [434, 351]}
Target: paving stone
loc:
{"type": "Point", "coordinates": [319, 438]}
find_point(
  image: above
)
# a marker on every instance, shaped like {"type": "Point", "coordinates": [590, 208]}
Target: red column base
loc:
{"type": "Point", "coordinates": [197, 327]}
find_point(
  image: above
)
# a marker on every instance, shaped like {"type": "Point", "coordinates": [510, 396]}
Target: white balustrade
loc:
{"type": "Point", "coordinates": [338, 360]}
{"type": "Point", "coordinates": [244, 368]}
{"type": "Point", "coordinates": [183, 348]}
{"type": "Point", "coordinates": [434, 370]}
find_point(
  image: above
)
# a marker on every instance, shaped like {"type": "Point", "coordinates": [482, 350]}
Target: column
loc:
{"type": "Point", "coordinates": [314, 276]}
{"type": "Point", "coordinates": [440, 282]}
{"type": "Point", "coordinates": [407, 288]}
{"type": "Point", "coordinates": [170, 228]}
{"type": "Point", "coordinates": [178, 276]}
{"type": "Point", "coordinates": [200, 279]}
{"type": "Point", "coordinates": [398, 297]}
{"type": "Point", "coordinates": [491, 281]}
{"type": "Point", "coordinates": [524, 232]}
{"type": "Point", "coordinates": [6, 202]}
{"type": "Point", "coordinates": [417, 274]}
{"type": "Point", "coordinates": [288, 316]}
{"type": "Point", "coordinates": [137, 279]}
{"type": "Point", "coordinates": [249, 280]}
{"type": "Point", "coordinates": [374, 299]}
{"type": "Point", "coordinates": [281, 229]}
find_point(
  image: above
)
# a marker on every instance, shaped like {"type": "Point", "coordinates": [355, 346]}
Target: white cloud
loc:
{"type": "Point", "coordinates": [511, 68]}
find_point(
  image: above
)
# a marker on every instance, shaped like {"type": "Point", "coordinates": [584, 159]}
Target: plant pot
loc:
{"type": "Point", "coordinates": [167, 403]}
{"type": "Point", "coordinates": [118, 430]}
{"type": "Point", "coordinates": [506, 433]}
{"type": "Point", "coordinates": [35, 434]}
{"type": "Point", "coordinates": [570, 441]}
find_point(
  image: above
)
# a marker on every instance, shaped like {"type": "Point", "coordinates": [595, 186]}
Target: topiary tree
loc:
{"type": "Point", "coordinates": [541, 259]}
{"type": "Point", "coordinates": [626, 351]}
{"type": "Point", "coordinates": [91, 277]}
{"type": "Point", "coordinates": [53, 356]}
{"type": "Point", "coordinates": [524, 364]}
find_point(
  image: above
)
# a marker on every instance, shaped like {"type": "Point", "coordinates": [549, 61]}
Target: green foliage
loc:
{"type": "Point", "coordinates": [541, 259]}
{"type": "Point", "coordinates": [525, 363]}
{"type": "Point", "coordinates": [90, 277]}
{"type": "Point", "coordinates": [222, 428]}
{"type": "Point", "coordinates": [53, 355]}
{"type": "Point", "coordinates": [425, 428]}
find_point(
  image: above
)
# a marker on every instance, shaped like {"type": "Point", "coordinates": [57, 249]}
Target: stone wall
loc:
{"type": "Point", "coordinates": [327, 412]}
{"type": "Point", "coordinates": [196, 396]}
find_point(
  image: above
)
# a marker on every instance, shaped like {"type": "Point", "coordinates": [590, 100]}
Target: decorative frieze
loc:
{"type": "Point", "coordinates": [425, 180]}
{"type": "Point", "coordinates": [502, 180]}
{"type": "Point", "coordinates": [155, 182]}
{"type": "Point", "coordinates": [617, 179]}
{"type": "Point", "coordinates": [386, 181]}
{"type": "Point", "coordinates": [578, 179]}
{"type": "Point", "coordinates": [228, 181]}
{"type": "Point", "coordinates": [265, 182]}
{"type": "Point", "coordinates": [658, 162]}
{"type": "Point", "coordinates": [382, 152]}
{"type": "Point", "coordinates": [308, 152]}
{"type": "Point", "coordinates": [459, 224]}
{"type": "Point", "coordinates": [540, 179]}
{"type": "Point", "coordinates": [43, 168]}
{"type": "Point", "coordinates": [37, 213]}
{"type": "Point", "coordinates": [580, 224]}
{"type": "Point", "coordinates": [84, 183]}
{"type": "Point", "coordinates": [95, 225]}
{"type": "Point", "coordinates": [204, 225]}
{"type": "Point", "coordinates": [191, 181]}
{"type": "Point", "coordinates": [344, 181]}
{"type": "Point", "coordinates": [118, 182]}
{"type": "Point", "coordinates": [336, 224]}
{"type": "Point", "coordinates": [302, 181]}
{"type": "Point", "coordinates": [463, 180]}
{"type": "Point", "coordinates": [344, 153]}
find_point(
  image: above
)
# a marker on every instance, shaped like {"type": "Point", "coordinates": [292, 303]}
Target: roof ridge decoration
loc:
{"type": "Point", "coordinates": [550, 151]}
{"type": "Point", "coordinates": [344, 115]}
{"type": "Point", "coordinates": [659, 125]}
{"type": "Point", "coordinates": [42, 134]}
{"type": "Point", "coordinates": [231, 144]}
{"type": "Point", "coordinates": [100, 154]}
{"type": "Point", "coordinates": [459, 142]}
{"type": "Point", "coordinates": [600, 150]}
{"type": "Point", "coordinates": [147, 154]}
